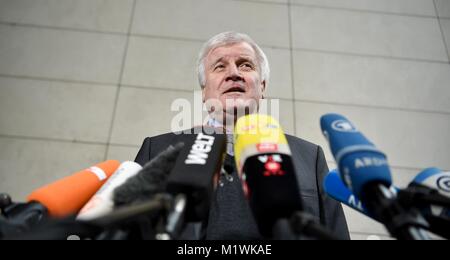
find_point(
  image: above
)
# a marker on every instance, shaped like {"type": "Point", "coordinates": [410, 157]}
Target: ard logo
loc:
{"type": "Point", "coordinates": [443, 183]}
{"type": "Point", "coordinates": [343, 126]}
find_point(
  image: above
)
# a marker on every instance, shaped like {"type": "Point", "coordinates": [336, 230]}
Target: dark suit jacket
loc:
{"type": "Point", "coordinates": [230, 216]}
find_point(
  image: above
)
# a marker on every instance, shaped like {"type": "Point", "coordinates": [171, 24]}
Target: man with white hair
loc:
{"type": "Point", "coordinates": [233, 73]}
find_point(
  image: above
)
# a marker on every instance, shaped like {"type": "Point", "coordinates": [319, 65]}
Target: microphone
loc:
{"type": "Point", "coordinates": [263, 160]}
{"type": "Point", "coordinates": [360, 162]}
{"type": "Point", "coordinates": [411, 197]}
{"type": "Point", "coordinates": [5, 201]}
{"type": "Point", "coordinates": [197, 170]}
{"type": "Point", "coordinates": [187, 173]}
{"type": "Point", "coordinates": [364, 169]}
{"type": "Point", "coordinates": [430, 193]}
{"type": "Point", "coordinates": [432, 186]}
{"type": "Point", "coordinates": [172, 189]}
{"type": "Point", "coordinates": [68, 195]}
{"type": "Point", "coordinates": [20, 217]}
{"type": "Point", "coordinates": [335, 188]}
{"type": "Point", "coordinates": [139, 200]}
{"type": "Point", "coordinates": [134, 192]}
{"type": "Point", "coordinates": [433, 179]}
{"type": "Point", "coordinates": [102, 202]}
{"type": "Point", "coordinates": [151, 180]}
{"type": "Point", "coordinates": [59, 199]}
{"type": "Point", "coordinates": [264, 163]}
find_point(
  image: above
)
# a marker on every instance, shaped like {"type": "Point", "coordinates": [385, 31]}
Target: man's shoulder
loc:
{"type": "Point", "coordinates": [166, 136]}
{"type": "Point", "coordinates": [182, 134]}
{"type": "Point", "coordinates": [301, 143]}
{"type": "Point", "coordinates": [167, 139]}
{"type": "Point", "coordinates": [175, 136]}
{"type": "Point", "coordinates": [160, 142]}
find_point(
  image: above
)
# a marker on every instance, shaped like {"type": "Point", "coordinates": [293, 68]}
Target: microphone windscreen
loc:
{"type": "Point", "coordinates": [434, 178]}
{"type": "Point", "coordinates": [68, 195]}
{"type": "Point", "coordinates": [196, 169]}
{"type": "Point", "coordinates": [102, 202]}
{"type": "Point", "coordinates": [258, 134]}
{"type": "Point", "coordinates": [151, 180]}
{"type": "Point", "coordinates": [335, 188]}
{"type": "Point", "coordinates": [267, 170]}
{"type": "Point", "coordinates": [360, 162]}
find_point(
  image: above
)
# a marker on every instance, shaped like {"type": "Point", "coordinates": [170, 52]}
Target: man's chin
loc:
{"type": "Point", "coordinates": [232, 108]}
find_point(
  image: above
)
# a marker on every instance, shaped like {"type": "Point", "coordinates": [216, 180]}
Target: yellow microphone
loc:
{"type": "Point", "coordinates": [258, 134]}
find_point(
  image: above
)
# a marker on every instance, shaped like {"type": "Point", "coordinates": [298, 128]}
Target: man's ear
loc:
{"type": "Point", "coordinates": [203, 95]}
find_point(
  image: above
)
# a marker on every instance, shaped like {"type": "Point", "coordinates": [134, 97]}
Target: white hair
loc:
{"type": "Point", "coordinates": [226, 39]}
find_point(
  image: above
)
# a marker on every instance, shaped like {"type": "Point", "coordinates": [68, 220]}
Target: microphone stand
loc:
{"type": "Point", "coordinates": [16, 218]}
{"type": "Point", "coordinates": [109, 227]}
{"type": "Point", "coordinates": [175, 221]}
{"type": "Point", "coordinates": [144, 214]}
{"type": "Point", "coordinates": [422, 197]}
{"type": "Point", "coordinates": [439, 225]}
{"type": "Point", "coordinates": [400, 222]}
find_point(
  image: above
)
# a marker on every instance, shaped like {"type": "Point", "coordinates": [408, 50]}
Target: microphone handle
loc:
{"type": "Point", "coordinates": [19, 218]}
{"type": "Point", "coordinates": [160, 203]}
{"type": "Point", "coordinates": [304, 223]}
{"type": "Point", "coordinates": [301, 226]}
{"type": "Point", "coordinates": [116, 225]}
{"type": "Point", "coordinates": [57, 229]}
{"type": "Point", "coordinates": [401, 223]}
{"type": "Point", "coordinates": [7, 228]}
{"type": "Point", "coordinates": [5, 201]}
{"type": "Point", "coordinates": [176, 219]}
{"type": "Point", "coordinates": [439, 226]}
{"type": "Point", "coordinates": [423, 196]}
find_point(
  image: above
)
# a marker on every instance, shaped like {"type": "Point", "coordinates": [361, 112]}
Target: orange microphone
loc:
{"type": "Point", "coordinates": [68, 196]}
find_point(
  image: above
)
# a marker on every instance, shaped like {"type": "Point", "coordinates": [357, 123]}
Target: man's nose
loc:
{"type": "Point", "coordinates": [234, 74]}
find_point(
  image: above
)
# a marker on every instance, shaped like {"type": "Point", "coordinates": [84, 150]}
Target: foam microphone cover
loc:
{"type": "Point", "coordinates": [68, 195]}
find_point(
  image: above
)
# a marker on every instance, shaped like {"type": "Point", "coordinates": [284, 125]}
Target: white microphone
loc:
{"type": "Point", "coordinates": [102, 202]}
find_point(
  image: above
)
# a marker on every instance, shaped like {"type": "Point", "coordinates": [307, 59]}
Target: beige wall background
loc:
{"type": "Point", "coordinates": [82, 81]}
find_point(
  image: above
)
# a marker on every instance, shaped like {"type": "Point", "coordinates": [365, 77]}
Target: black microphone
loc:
{"type": "Point", "coordinates": [140, 202]}
{"type": "Point", "coordinates": [25, 214]}
{"type": "Point", "coordinates": [194, 179]}
{"type": "Point", "coordinates": [19, 217]}
{"type": "Point", "coordinates": [5, 201]}
{"type": "Point", "coordinates": [196, 171]}
{"type": "Point", "coordinates": [183, 177]}
{"type": "Point", "coordinates": [151, 180]}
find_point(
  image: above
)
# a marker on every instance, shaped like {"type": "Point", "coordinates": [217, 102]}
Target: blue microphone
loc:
{"type": "Point", "coordinates": [335, 188]}
{"type": "Point", "coordinates": [415, 196]}
{"type": "Point", "coordinates": [365, 171]}
{"type": "Point", "coordinates": [434, 185]}
{"type": "Point", "coordinates": [360, 162]}
{"type": "Point", "coordinates": [429, 192]}
{"type": "Point", "coordinates": [434, 178]}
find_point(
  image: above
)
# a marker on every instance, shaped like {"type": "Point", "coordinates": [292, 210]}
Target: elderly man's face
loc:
{"type": "Point", "coordinates": [233, 78]}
